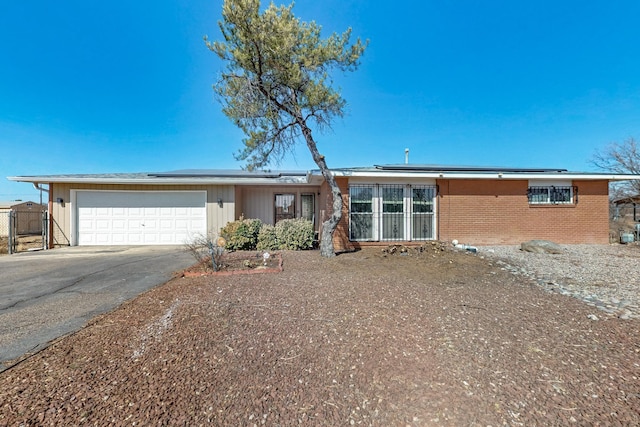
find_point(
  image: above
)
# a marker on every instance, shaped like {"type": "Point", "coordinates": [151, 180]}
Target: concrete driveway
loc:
{"type": "Point", "coordinates": [47, 294]}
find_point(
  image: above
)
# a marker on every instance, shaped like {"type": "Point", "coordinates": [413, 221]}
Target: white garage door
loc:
{"type": "Point", "coordinates": [140, 217]}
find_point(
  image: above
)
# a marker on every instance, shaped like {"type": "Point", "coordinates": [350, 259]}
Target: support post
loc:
{"type": "Point", "coordinates": [11, 233]}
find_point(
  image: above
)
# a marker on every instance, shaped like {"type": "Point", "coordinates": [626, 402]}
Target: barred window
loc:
{"type": "Point", "coordinates": [391, 212]}
{"type": "Point", "coordinates": [361, 212]}
{"type": "Point", "coordinates": [552, 195]}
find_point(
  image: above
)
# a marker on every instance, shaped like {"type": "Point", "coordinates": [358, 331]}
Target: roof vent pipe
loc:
{"type": "Point", "coordinates": [406, 156]}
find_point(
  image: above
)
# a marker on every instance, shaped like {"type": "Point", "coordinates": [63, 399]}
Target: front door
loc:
{"type": "Point", "coordinates": [308, 207]}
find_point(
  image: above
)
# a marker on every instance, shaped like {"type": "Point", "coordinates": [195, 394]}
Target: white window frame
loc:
{"type": "Point", "coordinates": [374, 216]}
{"type": "Point", "coordinates": [377, 212]}
{"type": "Point", "coordinates": [536, 189]}
{"type": "Point", "coordinates": [414, 215]}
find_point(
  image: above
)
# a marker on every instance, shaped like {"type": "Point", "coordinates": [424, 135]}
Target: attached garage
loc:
{"type": "Point", "coordinates": [139, 217]}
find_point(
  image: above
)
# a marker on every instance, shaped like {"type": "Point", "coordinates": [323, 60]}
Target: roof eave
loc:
{"type": "Point", "coordinates": [485, 175]}
{"type": "Point", "coordinates": [163, 181]}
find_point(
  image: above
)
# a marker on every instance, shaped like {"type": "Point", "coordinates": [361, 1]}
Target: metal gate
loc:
{"type": "Point", "coordinates": [27, 230]}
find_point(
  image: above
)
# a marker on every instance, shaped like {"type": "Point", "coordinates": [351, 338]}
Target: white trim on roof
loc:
{"type": "Point", "coordinates": [162, 181]}
{"type": "Point", "coordinates": [314, 177]}
{"type": "Point", "coordinates": [486, 175]}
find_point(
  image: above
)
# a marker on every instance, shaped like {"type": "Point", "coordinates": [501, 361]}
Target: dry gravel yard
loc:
{"type": "Point", "coordinates": [431, 338]}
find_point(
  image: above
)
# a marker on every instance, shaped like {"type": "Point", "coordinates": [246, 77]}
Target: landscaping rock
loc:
{"type": "Point", "coordinates": [541, 247]}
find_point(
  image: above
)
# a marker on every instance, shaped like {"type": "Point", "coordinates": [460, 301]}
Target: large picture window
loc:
{"type": "Point", "coordinates": [391, 212]}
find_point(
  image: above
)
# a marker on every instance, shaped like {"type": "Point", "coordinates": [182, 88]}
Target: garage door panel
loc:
{"type": "Point", "coordinates": [134, 225]}
{"type": "Point", "coordinates": [118, 238]}
{"type": "Point", "coordinates": [144, 218]}
{"type": "Point", "coordinates": [87, 240]}
{"type": "Point", "coordinates": [166, 239]}
{"type": "Point", "coordinates": [132, 239]}
{"type": "Point", "coordinates": [183, 224]}
{"type": "Point", "coordinates": [102, 239]}
{"type": "Point", "coordinates": [198, 225]}
{"type": "Point", "coordinates": [86, 224]}
{"type": "Point", "coordinates": [183, 211]}
{"type": "Point", "coordinates": [119, 225]}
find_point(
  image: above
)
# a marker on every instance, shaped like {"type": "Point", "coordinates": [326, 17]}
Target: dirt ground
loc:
{"type": "Point", "coordinates": [366, 338]}
{"type": "Point", "coordinates": [25, 243]}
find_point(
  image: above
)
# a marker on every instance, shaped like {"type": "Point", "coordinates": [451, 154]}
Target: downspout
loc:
{"type": "Point", "coordinates": [38, 186]}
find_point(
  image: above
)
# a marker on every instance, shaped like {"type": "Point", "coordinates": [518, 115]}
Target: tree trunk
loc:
{"type": "Point", "coordinates": [329, 226]}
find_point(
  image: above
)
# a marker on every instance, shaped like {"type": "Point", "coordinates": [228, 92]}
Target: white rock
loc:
{"type": "Point", "coordinates": [625, 315]}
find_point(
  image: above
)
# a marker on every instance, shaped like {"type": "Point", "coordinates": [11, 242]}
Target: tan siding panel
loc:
{"type": "Point", "coordinates": [257, 203]}
{"type": "Point", "coordinates": [220, 215]}
{"type": "Point", "coordinates": [60, 214]}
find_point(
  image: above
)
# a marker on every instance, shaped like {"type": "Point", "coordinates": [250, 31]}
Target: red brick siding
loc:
{"type": "Point", "coordinates": [341, 241]}
{"type": "Point", "coordinates": [486, 212]}
{"type": "Point", "coordinates": [498, 212]}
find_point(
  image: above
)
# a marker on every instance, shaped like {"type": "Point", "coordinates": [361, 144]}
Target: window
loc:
{"type": "Point", "coordinates": [552, 195]}
{"type": "Point", "coordinates": [422, 212]}
{"type": "Point", "coordinates": [391, 212]}
{"type": "Point", "coordinates": [361, 212]}
{"type": "Point", "coordinates": [285, 205]}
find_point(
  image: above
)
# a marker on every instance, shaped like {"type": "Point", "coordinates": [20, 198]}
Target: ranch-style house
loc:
{"type": "Point", "coordinates": [383, 204]}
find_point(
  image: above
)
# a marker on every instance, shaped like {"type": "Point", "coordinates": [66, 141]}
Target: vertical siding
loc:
{"type": "Point", "coordinates": [60, 214]}
{"type": "Point", "coordinates": [218, 216]}
{"type": "Point", "coordinates": [258, 201]}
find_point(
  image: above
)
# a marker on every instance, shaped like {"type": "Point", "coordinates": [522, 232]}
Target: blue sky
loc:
{"type": "Point", "coordinates": [125, 86]}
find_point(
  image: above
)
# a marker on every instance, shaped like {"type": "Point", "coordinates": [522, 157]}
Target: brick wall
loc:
{"type": "Point", "coordinates": [492, 212]}
{"type": "Point", "coordinates": [498, 212]}
{"type": "Point", "coordinates": [341, 241]}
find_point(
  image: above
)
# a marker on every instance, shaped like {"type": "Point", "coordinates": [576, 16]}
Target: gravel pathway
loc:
{"type": "Point", "coordinates": [604, 276]}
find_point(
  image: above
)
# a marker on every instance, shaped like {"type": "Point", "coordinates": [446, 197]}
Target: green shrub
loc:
{"type": "Point", "coordinates": [267, 238]}
{"type": "Point", "coordinates": [294, 234]}
{"type": "Point", "coordinates": [241, 235]}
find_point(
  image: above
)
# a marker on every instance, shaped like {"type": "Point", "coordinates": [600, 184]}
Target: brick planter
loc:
{"type": "Point", "coordinates": [197, 270]}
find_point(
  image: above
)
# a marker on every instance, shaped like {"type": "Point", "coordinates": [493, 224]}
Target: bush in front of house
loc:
{"type": "Point", "coordinates": [294, 234]}
{"type": "Point", "coordinates": [241, 235]}
{"type": "Point", "coordinates": [267, 238]}
{"type": "Point", "coordinates": [250, 234]}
